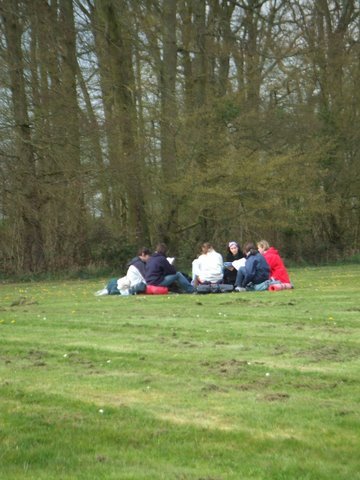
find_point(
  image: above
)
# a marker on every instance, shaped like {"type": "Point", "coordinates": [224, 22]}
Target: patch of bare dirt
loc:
{"type": "Point", "coordinates": [276, 397]}
{"type": "Point", "coordinates": [327, 353]}
{"type": "Point", "coordinates": [23, 301]}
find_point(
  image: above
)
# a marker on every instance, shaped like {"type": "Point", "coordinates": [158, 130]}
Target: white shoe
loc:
{"type": "Point", "coordinates": [240, 289]}
{"type": "Point", "coordinates": [100, 293]}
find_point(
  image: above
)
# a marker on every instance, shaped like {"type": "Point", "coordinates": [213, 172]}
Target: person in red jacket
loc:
{"type": "Point", "coordinates": [278, 270]}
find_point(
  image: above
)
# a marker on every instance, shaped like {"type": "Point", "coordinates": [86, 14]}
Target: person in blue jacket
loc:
{"type": "Point", "coordinates": [159, 271]}
{"type": "Point", "coordinates": [255, 275]}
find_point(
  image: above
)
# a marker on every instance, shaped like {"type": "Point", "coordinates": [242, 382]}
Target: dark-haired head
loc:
{"type": "Point", "coordinates": [143, 251]}
{"type": "Point", "coordinates": [249, 247]}
{"type": "Point", "coordinates": [233, 247]}
{"type": "Point", "coordinates": [206, 247]}
{"type": "Point", "coordinates": [161, 248]}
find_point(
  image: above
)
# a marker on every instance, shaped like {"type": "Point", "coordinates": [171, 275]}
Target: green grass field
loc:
{"type": "Point", "coordinates": [255, 385]}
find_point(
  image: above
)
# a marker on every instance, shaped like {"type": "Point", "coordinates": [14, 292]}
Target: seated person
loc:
{"type": "Point", "coordinates": [278, 270]}
{"type": "Point", "coordinates": [255, 272]}
{"type": "Point", "coordinates": [233, 253]}
{"type": "Point", "coordinates": [208, 267]}
{"type": "Point", "coordinates": [159, 271]}
{"type": "Point", "coordinates": [134, 280]}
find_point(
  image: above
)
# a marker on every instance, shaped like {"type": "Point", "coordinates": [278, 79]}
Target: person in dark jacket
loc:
{"type": "Point", "coordinates": [255, 272]}
{"type": "Point", "coordinates": [134, 280]}
{"type": "Point", "coordinates": [159, 271]}
{"type": "Point", "coordinates": [140, 260]}
{"type": "Point", "coordinates": [233, 253]}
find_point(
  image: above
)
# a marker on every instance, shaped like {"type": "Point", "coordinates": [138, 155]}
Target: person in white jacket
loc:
{"type": "Point", "coordinates": [134, 280]}
{"type": "Point", "coordinates": [208, 267]}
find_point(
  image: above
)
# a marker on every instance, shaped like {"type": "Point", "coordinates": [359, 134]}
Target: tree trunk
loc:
{"type": "Point", "coordinates": [114, 40]}
{"type": "Point", "coordinates": [26, 194]}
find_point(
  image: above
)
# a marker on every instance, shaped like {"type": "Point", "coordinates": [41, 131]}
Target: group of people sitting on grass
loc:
{"type": "Point", "coordinates": [250, 269]}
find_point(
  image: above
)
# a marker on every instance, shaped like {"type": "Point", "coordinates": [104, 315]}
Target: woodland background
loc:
{"type": "Point", "coordinates": [126, 122]}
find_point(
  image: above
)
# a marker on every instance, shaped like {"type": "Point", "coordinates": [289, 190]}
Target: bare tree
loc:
{"type": "Point", "coordinates": [113, 35]}
{"type": "Point", "coordinates": [24, 198]}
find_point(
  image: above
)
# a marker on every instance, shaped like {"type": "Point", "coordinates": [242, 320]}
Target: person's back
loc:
{"type": "Point", "coordinates": [159, 271]}
{"type": "Point", "coordinates": [257, 269]}
{"type": "Point", "coordinates": [158, 268]}
{"type": "Point", "coordinates": [209, 266]}
{"type": "Point", "coordinates": [255, 272]}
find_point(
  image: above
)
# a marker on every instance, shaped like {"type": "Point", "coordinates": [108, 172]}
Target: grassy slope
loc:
{"type": "Point", "coordinates": [233, 386]}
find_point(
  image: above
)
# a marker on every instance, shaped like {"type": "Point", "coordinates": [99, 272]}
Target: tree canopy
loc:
{"type": "Point", "coordinates": [128, 122]}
